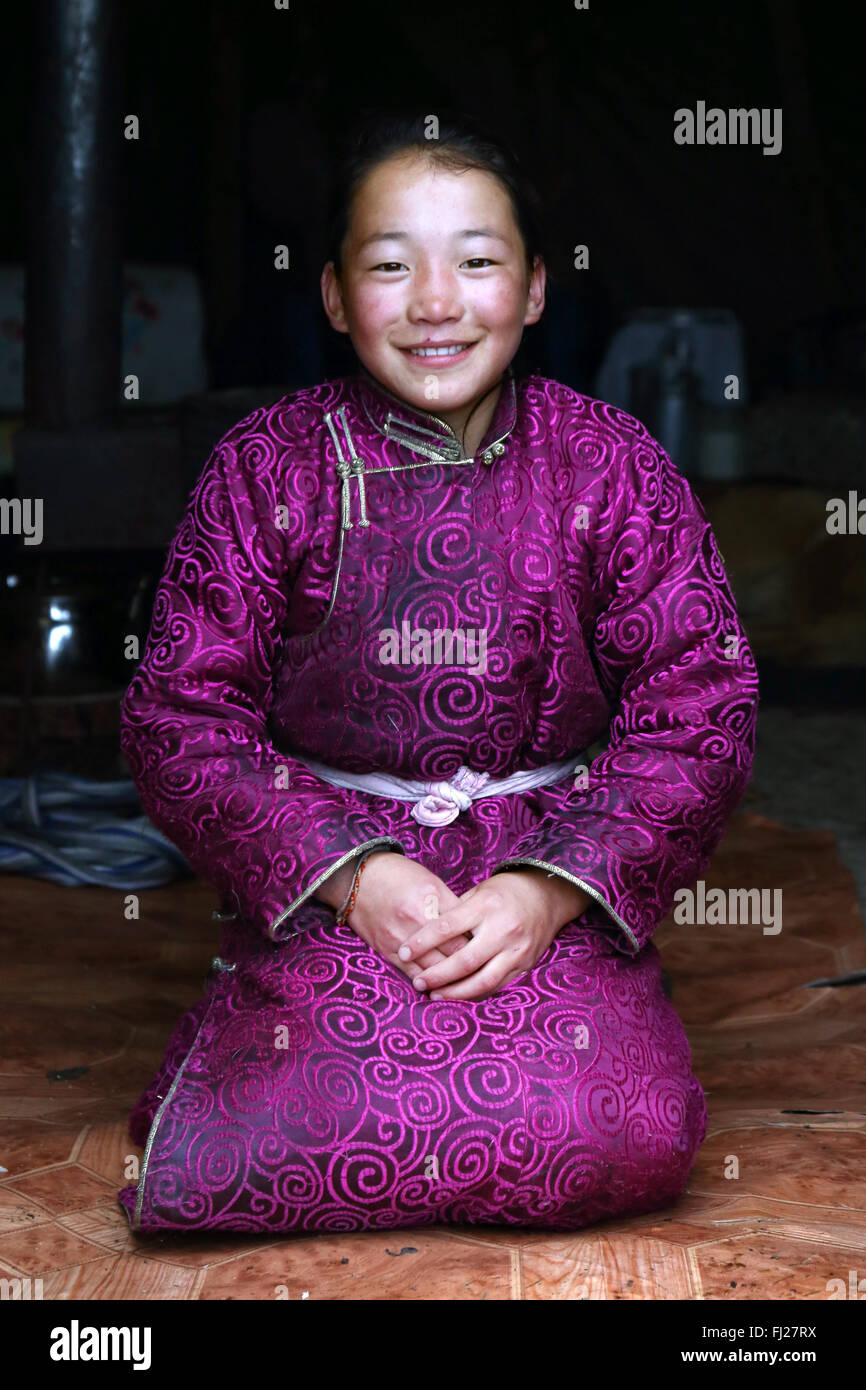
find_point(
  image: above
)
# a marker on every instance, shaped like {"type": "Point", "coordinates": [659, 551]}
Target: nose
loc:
{"type": "Point", "coordinates": [435, 297]}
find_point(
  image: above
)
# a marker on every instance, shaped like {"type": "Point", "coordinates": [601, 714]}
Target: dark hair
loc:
{"type": "Point", "coordinates": [460, 143]}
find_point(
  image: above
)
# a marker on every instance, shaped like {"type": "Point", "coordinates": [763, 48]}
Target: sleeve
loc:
{"type": "Point", "coordinates": [675, 664]}
{"type": "Point", "coordinates": [255, 822]}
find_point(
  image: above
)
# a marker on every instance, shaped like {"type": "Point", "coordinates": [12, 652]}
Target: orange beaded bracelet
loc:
{"type": "Point", "coordinates": [348, 905]}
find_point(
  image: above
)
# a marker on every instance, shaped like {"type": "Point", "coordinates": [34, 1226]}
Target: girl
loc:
{"type": "Point", "coordinates": [437, 998]}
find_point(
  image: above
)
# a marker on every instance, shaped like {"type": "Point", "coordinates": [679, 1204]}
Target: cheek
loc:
{"type": "Point", "coordinates": [373, 308]}
{"type": "Point", "coordinates": [501, 303]}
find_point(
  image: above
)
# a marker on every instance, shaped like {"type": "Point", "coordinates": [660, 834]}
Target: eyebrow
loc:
{"type": "Point", "coordinates": [404, 236]}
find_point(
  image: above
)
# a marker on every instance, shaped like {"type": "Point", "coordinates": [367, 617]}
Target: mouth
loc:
{"type": "Point", "coordinates": [438, 354]}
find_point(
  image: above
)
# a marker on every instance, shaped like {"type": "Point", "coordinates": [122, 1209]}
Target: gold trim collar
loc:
{"type": "Point", "coordinates": [428, 435]}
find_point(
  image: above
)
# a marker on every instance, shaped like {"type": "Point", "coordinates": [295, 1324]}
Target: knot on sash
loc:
{"type": "Point", "coordinates": [443, 801]}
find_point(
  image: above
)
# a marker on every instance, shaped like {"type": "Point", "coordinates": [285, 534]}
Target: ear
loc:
{"type": "Point", "coordinates": [535, 292]}
{"type": "Point", "coordinates": [332, 298]}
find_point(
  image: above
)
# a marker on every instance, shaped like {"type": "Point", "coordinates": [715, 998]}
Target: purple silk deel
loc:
{"type": "Point", "coordinates": [329, 538]}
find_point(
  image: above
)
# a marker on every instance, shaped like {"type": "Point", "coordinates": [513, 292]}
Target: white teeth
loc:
{"type": "Point", "coordinates": [439, 352]}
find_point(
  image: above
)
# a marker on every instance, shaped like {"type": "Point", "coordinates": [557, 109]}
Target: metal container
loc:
{"type": "Point", "coordinates": [65, 624]}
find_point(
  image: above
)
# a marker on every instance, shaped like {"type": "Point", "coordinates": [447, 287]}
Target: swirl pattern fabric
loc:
{"type": "Point", "coordinates": [573, 544]}
{"type": "Point", "coordinates": [322, 1094]}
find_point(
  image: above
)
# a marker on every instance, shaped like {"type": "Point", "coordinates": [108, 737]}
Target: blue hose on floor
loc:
{"type": "Point", "coordinates": [62, 828]}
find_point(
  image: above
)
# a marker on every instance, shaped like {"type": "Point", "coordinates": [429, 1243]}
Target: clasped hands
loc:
{"type": "Point", "coordinates": [454, 947]}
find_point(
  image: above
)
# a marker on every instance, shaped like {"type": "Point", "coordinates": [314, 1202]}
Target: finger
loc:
{"type": "Point", "coordinates": [447, 948]}
{"type": "Point", "coordinates": [435, 956]}
{"type": "Point", "coordinates": [409, 968]}
{"type": "Point", "coordinates": [466, 961]}
{"type": "Point", "coordinates": [457, 921]}
{"type": "Point", "coordinates": [485, 981]}
{"type": "Point", "coordinates": [413, 968]}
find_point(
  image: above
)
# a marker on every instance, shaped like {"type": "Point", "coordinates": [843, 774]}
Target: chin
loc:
{"type": "Point", "coordinates": [446, 401]}
{"type": "Point", "coordinates": [456, 386]}
{"type": "Point", "coordinates": [410, 383]}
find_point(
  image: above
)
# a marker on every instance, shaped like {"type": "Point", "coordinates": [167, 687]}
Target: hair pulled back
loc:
{"type": "Point", "coordinates": [460, 143]}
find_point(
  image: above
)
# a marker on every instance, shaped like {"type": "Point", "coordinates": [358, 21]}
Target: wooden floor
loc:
{"type": "Point", "coordinates": [776, 1202]}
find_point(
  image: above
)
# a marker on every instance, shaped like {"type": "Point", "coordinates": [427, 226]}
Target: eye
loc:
{"type": "Point", "coordinates": [478, 261]}
{"type": "Point", "coordinates": [389, 265]}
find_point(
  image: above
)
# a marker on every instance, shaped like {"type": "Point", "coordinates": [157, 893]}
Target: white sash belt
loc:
{"type": "Point", "coordinates": [439, 803]}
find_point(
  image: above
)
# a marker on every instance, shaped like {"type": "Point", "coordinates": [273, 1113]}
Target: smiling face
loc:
{"type": "Point", "coordinates": [434, 290]}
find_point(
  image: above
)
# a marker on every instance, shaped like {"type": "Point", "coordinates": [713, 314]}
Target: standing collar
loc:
{"type": "Point", "coordinates": [428, 434]}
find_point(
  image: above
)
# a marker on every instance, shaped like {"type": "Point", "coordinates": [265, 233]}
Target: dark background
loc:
{"type": "Point", "coordinates": [241, 104]}
{"type": "Point", "coordinates": [241, 107]}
